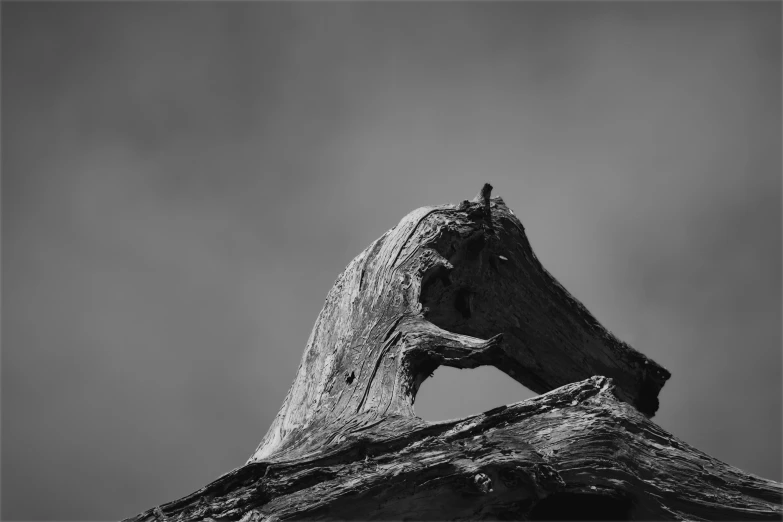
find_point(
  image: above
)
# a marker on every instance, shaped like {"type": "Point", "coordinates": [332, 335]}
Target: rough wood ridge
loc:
{"type": "Point", "coordinates": [459, 285]}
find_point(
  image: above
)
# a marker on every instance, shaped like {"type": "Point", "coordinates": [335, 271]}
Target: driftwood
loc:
{"type": "Point", "coordinates": [459, 285]}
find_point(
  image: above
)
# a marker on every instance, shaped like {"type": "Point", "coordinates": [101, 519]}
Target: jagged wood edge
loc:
{"type": "Point", "coordinates": [456, 285]}
{"type": "Point", "coordinates": [576, 442]}
{"type": "Point", "coordinates": [390, 320]}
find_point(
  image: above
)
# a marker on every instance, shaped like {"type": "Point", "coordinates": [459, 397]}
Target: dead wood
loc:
{"type": "Point", "coordinates": [459, 285]}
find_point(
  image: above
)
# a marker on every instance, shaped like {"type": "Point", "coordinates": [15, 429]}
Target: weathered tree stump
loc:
{"type": "Point", "coordinates": [459, 285]}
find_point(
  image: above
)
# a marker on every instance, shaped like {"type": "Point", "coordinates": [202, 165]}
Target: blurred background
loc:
{"type": "Point", "coordinates": [183, 183]}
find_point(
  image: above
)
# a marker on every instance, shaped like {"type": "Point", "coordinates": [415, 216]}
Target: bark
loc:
{"type": "Point", "coordinates": [459, 285]}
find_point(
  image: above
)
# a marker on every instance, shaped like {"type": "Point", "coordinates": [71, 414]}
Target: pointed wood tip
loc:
{"type": "Point", "coordinates": [484, 194]}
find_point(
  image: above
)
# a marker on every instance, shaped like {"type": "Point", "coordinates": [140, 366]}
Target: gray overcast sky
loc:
{"type": "Point", "coordinates": [184, 181]}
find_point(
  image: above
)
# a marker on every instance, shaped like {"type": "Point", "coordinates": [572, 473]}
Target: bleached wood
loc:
{"type": "Point", "coordinates": [459, 285]}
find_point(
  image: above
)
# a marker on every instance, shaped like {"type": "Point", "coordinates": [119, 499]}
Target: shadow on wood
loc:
{"type": "Point", "coordinates": [459, 285]}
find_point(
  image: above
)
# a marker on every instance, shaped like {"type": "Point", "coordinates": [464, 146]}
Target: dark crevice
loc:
{"type": "Point", "coordinates": [582, 506]}
{"type": "Point", "coordinates": [437, 274]}
{"type": "Point", "coordinates": [455, 298]}
{"type": "Point", "coordinates": [462, 302]}
{"type": "Point", "coordinates": [350, 378]}
{"type": "Point", "coordinates": [474, 245]}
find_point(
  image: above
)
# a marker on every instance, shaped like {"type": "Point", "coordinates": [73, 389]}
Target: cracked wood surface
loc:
{"type": "Point", "coordinates": [455, 285]}
{"type": "Point", "coordinates": [575, 453]}
{"type": "Point", "coordinates": [459, 285]}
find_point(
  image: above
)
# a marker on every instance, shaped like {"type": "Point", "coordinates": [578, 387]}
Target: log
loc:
{"type": "Point", "coordinates": [459, 285]}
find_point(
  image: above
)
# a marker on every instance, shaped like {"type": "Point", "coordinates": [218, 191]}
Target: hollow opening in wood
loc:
{"type": "Point", "coordinates": [453, 393]}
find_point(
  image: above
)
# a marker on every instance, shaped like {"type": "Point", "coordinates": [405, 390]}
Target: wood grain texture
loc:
{"type": "Point", "coordinates": [459, 285]}
{"type": "Point", "coordinates": [576, 453]}
{"type": "Point", "coordinates": [455, 285]}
